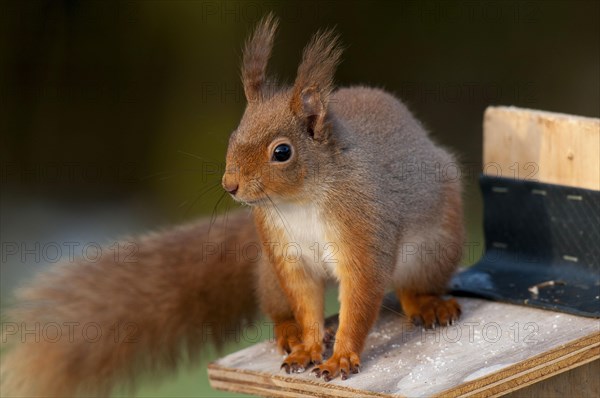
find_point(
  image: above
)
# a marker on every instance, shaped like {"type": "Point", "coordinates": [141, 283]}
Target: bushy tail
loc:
{"type": "Point", "coordinates": [84, 328]}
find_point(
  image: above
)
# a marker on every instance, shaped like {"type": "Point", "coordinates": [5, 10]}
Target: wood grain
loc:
{"type": "Point", "coordinates": [582, 381]}
{"type": "Point", "coordinates": [495, 349]}
{"type": "Point", "coordinates": [543, 146]}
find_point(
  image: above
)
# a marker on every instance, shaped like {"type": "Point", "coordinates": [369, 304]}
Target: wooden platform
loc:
{"type": "Point", "coordinates": [494, 349]}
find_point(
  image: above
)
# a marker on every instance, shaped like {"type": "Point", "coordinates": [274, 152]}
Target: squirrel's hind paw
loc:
{"type": "Point", "coordinates": [429, 310]}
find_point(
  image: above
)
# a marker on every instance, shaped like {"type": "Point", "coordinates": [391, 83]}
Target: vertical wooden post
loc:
{"type": "Point", "coordinates": [548, 147]}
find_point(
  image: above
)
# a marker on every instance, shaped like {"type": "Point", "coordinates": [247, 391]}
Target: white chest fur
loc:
{"type": "Point", "coordinates": [310, 240]}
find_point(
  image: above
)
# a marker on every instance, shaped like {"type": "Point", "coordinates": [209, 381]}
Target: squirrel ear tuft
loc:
{"type": "Point", "coordinates": [257, 52]}
{"type": "Point", "coordinates": [314, 82]}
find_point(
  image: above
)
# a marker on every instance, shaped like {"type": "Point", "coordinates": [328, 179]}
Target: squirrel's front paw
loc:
{"type": "Point", "coordinates": [343, 364]}
{"type": "Point", "coordinates": [301, 357]}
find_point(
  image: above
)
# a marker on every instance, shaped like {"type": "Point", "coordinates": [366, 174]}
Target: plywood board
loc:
{"type": "Point", "coordinates": [495, 349]}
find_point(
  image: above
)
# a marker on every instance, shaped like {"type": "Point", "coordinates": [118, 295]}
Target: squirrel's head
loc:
{"type": "Point", "coordinates": [275, 150]}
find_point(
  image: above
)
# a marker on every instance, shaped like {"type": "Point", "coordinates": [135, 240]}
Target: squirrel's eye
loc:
{"type": "Point", "coordinates": [282, 152]}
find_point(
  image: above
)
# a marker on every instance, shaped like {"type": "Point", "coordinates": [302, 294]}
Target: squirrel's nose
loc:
{"type": "Point", "coordinates": [231, 188]}
{"type": "Point", "coordinates": [230, 183]}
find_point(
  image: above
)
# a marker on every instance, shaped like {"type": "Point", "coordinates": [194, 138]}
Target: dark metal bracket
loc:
{"type": "Point", "coordinates": [542, 247]}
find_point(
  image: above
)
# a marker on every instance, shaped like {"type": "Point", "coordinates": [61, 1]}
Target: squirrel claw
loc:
{"type": "Point", "coordinates": [430, 311]}
{"type": "Point", "coordinates": [339, 364]}
{"type": "Point", "coordinates": [301, 358]}
{"type": "Point", "coordinates": [292, 368]}
{"type": "Point", "coordinates": [325, 373]}
{"type": "Point", "coordinates": [344, 374]}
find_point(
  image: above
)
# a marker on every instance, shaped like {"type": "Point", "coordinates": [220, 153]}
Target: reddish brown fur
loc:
{"type": "Point", "coordinates": [420, 297]}
{"type": "Point", "coordinates": [297, 285]}
{"type": "Point", "coordinates": [361, 288]}
{"type": "Point", "coordinates": [314, 81]}
{"type": "Point", "coordinates": [165, 303]}
{"type": "Point", "coordinates": [257, 52]}
{"type": "Point", "coordinates": [421, 302]}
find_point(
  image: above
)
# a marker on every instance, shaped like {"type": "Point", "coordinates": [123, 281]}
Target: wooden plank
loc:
{"type": "Point", "coordinates": [496, 348]}
{"type": "Point", "coordinates": [543, 146]}
{"type": "Point", "coordinates": [582, 381]}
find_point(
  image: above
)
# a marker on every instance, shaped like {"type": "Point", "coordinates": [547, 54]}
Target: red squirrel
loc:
{"type": "Point", "coordinates": [342, 176]}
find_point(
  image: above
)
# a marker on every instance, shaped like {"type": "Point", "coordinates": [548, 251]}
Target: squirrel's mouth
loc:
{"type": "Point", "coordinates": [250, 202]}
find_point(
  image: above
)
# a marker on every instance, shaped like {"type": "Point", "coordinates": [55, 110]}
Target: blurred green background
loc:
{"type": "Point", "coordinates": [115, 115]}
